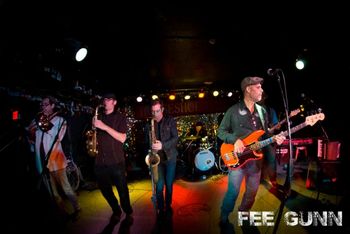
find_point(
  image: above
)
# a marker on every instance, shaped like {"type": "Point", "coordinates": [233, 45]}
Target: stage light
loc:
{"type": "Point", "coordinates": [300, 64]}
{"type": "Point", "coordinates": [201, 94]}
{"type": "Point", "coordinates": [215, 93]}
{"type": "Point", "coordinates": [154, 97]}
{"type": "Point", "coordinates": [302, 59]}
{"type": "Point", "coordinates": [187, 97]}
{"type": "Point", "coordinates": [81, 54]}
{"type": "Point", "coordinates": [229, 94]}
{"type": "Point", "coordinates": [76, 48]}
{"type": "Point", "coordinates": [172, 97]}
{"type": "Point", "coordinates": [139, 99]}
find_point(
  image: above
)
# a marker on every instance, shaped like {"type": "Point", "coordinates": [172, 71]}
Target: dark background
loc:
{"type": "Point", "coordinates": [151, 47]}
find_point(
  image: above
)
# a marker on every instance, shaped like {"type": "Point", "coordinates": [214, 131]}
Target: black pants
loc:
{"type": "Point", "coordinates": [106, 177]}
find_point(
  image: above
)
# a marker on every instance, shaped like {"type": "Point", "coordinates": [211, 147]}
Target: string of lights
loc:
{"type": "Point", "coordinates": [185, 94]}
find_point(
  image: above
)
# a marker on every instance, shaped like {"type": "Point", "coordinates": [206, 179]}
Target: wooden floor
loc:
{"type": "Point", "coordinates": [196, 205]}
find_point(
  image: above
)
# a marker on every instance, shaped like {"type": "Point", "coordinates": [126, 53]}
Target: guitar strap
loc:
{"type": "Point", "coordinates": [261, 115]}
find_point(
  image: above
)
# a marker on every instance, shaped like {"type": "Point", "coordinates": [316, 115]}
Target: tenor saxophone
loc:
{"type": "Point", "coordinates": [152, 158]}
{"type": "Point", "coordinates": [91, 135]}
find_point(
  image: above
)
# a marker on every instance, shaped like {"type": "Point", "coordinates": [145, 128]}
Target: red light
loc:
{"type": "Point", "coordinates": [15, 115]}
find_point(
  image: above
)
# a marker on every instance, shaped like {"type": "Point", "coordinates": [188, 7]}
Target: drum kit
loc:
{"type": "Point", "coordinates": [198, 156]}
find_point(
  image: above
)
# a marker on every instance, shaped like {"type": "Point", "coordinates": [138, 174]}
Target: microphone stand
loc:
{"type": "Point", "coordinates": [289, 175]}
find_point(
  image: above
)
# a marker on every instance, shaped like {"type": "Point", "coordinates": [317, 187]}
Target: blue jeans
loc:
{"type": "Point", "coordinates": [166, 174]}
{"type": "Point", "coordinates": [235, 178]}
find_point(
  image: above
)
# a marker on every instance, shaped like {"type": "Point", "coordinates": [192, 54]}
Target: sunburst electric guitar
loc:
{"type": "Point", "coordinates": [252, 151]}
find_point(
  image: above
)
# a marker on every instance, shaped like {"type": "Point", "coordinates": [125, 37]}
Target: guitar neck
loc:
{"type": "Point", "coordinates": [273, 128]}
{"type": "Point", "coordinates": [293, 113]}
{"type": "Point", "coordinates": [260, 144]}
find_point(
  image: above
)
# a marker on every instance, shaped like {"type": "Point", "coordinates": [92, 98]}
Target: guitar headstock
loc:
{"type": "Point", "coordinates": [312, 119]}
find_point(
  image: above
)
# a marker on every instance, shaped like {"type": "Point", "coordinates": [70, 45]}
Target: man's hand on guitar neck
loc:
{"type": "Point", "coordinates": [279, 139]}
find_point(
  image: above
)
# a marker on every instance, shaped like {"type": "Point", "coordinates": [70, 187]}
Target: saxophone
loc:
{"type": "Point", "coordinates": [152, 159]}
{"type": "Point", "coordinates": [91, 135]}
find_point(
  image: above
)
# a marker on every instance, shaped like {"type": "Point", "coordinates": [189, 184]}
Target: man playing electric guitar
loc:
{"type": "Point", "coordinates": [240, 121]}
{"type": "Point", "coordinates": [253, 145]}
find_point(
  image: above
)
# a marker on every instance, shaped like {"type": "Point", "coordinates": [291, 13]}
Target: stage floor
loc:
{"type": "Point", "coordinates": [196, 205]}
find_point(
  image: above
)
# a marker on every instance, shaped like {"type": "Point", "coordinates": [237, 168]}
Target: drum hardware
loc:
{"type": "Point", "coordinates": [192, 138]}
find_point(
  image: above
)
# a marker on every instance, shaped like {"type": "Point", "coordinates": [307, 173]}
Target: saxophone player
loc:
{"type": "Point", "coordinates": [110, 160]}
{"type": "Point", "coordinates": [165, 145]}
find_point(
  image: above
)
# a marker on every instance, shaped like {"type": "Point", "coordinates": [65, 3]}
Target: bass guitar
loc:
{"type": "Point", "coordinates": [252, 151]}
{"type": "Point", "coordinates": [278, 125]}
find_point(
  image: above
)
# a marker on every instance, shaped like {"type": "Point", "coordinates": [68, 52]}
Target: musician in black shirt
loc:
{"type": "Point", "coordinates": [240, 122]}
{"type": "Point", "coordinates": [110, 160]}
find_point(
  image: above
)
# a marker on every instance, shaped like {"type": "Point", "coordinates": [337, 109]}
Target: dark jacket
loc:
{"type": "Point", "coordinates": [169, 137]}
{"type": "Point", "coordinates": [237, 123]}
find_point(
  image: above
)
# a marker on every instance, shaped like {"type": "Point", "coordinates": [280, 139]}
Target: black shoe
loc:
{"type": "Point", "coordinates": [75, 215]}
{"type": "Point", "coordinates": [223, 220]}
{"type": "Point", "coordinates": [116, 216]}
{"type": "Point", "coordinates": [129, 220]}
{"type": "Point", "coordinates": [169, 212]}
{"type": "Point", "coordinates": [160, 214]}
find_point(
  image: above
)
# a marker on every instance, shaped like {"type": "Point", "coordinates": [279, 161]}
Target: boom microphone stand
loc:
{"type": "Point", "coordinates": [278, 73]}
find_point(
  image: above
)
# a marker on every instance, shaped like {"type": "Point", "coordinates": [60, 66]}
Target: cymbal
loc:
{"type": "Point", "coordinates": [191, 138]}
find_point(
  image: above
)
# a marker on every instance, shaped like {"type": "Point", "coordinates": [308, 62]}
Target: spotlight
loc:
{"type": "Point", "coordinates": [300, 64]}
{"type": "Point", "coordinates": [76, 47]}
{"type": "Point", "coordinates": [172, 97]}
{"type": "Point", "coordinates": [81, 54]}
{"type": "Point", "coordinates": [187, 97]}
{"type": "Point", "coordinates": [201, 94]}
{"type": "Point", "coordinates": [139, 99]}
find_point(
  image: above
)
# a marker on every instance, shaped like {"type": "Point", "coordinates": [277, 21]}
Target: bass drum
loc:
{"type": "Point", "coordinates": [204, 160]}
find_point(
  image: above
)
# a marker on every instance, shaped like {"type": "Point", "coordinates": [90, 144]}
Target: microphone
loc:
{"type": "Point", "coordinates": [273, 71]}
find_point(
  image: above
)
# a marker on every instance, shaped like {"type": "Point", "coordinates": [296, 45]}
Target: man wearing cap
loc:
{"type": "Point", "coordinates": [110, 160]}
{"type": "Point", "coordinates": [239, 121]}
